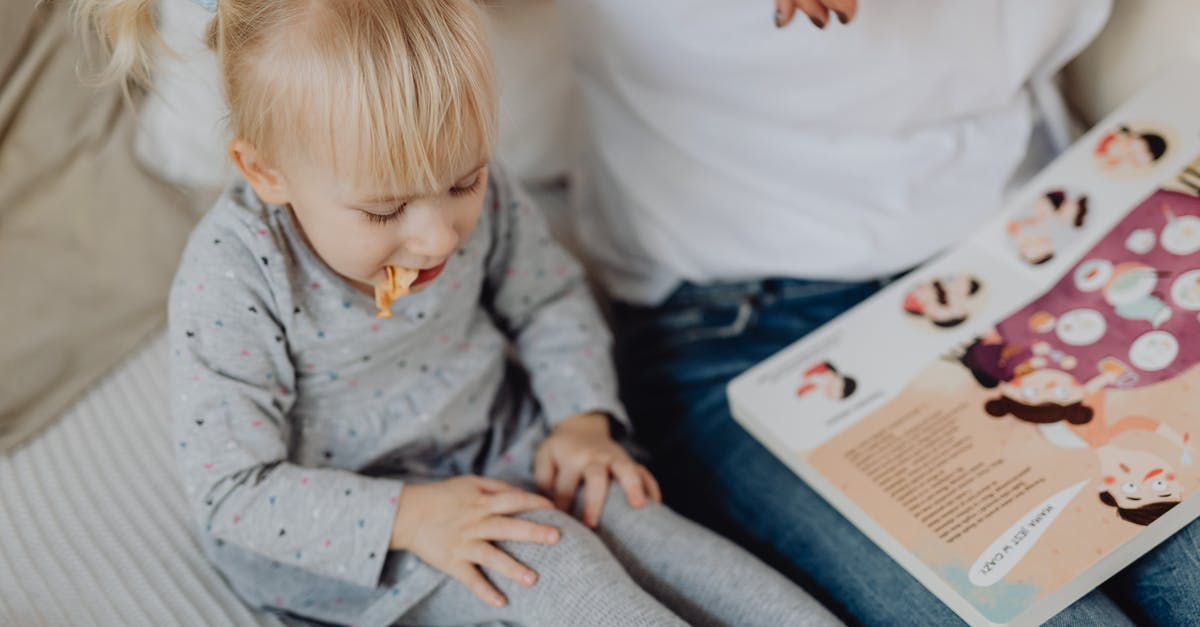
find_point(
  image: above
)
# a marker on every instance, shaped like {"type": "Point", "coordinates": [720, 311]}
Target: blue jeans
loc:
{"type": "Point", "coordinates": [675, 360]}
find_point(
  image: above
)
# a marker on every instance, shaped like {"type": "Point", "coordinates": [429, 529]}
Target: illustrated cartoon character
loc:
{"type": "Point", "coordinates": [1053, 221]}
{"type": "Point", "coordinates": [1127, 148]}
{"type": "Point", "coordinates": [826, 378]}
{"type": "Point", "coordinates": [946, 301]}
{"type": "Point", "coordinates": [1034, 383]}
{"type": "Point", "coordinates": [1140, 484]}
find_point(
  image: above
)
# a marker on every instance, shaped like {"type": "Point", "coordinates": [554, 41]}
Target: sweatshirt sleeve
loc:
{"type": "Point", "coordinates": [539, 297]}
{"type": "Point", "coordinates": [232, 385]}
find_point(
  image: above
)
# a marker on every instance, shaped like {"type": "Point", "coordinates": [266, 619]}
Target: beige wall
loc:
{"type": "Point", "coordinates": [1142, 38]}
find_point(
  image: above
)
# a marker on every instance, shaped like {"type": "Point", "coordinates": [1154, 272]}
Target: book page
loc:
{"type": "Point", "coordinates": [1009, 420]}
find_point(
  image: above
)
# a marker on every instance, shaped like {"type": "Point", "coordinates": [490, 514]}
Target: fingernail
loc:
{"type": "Point", "coordinates": [817, 23]}
{"type": "Point", "coordinates": [778, 18]}
{"type": "Point", "coordinates": [842, 17]}
{"type": "Point", "coordinates": [497, 601]}
{"type": "Point", "coordinates": [528, 579]}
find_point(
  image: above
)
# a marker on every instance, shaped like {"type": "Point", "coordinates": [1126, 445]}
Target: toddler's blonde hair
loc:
{"type": "Point", "coordinates": [407, 85]}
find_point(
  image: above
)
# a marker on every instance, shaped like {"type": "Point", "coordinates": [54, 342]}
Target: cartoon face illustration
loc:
{"type": "Point", "coordinates": [1049, 223]}
{"type": "Point", "coordinates": [944, 301]}
{"type": "Point", "coordinates": [1043, 396]}
{"type": "Point", "coordinates": [1057, 206]}
{"type": "Point", "coordinates": [1141, 485]}
{"type": "Point", "coordinates": [1046, 385]}
{"type": "Point", "coordinates": [826, 378]}
{"type": "Point", "coordinates": [1125, 148]}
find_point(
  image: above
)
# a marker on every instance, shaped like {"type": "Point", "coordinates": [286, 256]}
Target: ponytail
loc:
{"type": "Point", "coordinates": [127, 34]}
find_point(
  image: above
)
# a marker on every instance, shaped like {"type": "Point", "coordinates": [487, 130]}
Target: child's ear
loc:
{"type": "Point", "coordinates": [267, 182]}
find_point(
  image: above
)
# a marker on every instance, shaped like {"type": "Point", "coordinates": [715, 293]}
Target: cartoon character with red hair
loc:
{"type": "Point", "coordinates": [826, 378]}
{"type": "Point", "coordinates": [1125, 148]}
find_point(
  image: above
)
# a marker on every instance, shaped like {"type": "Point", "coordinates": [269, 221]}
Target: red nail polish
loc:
{"type": "Point", "coordinates": [842, 17]}
{"type": "Point", "coordinates": [817, 23]}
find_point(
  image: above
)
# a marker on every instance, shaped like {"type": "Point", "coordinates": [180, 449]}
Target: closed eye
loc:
{"type": "Point", "coordinates": [468, 189]}
{"type": "Point", "coordinates": [384, 218]}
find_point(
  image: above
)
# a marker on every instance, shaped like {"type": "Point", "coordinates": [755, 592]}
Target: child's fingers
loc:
{"type": "Point", "coordinates": [469, 576]}
{"type": "Point", "coordinates": [543, 470]}
{"type": "Point", "coordinates": [488, 556]}
{"type": "Point", "coordinates": [494, 486]}
{"type": "Point", "coordinates": [498, 528]}
{"type": "Point", "coordinates": [595, 490]}
{"type": "Point", "coordinates": [565, 485]}
{"type": "Point", "coordinates": [652, 487]}
{"type": "Point", "coordinates": [815, 12]}
{"type": "Point", "coordinates": [631, 482]}
{"type": "Point", "coordinates": [843, 9]}
{"type": "Point", "coordinates": [516, 502]}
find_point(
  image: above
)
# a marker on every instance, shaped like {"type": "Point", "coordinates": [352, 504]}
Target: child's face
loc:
{"type": "Point", "coordinates": [359, 232]}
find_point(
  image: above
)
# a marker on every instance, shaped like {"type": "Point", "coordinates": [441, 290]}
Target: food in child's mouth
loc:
{"type": "Point", "coordinates": [397, 283]}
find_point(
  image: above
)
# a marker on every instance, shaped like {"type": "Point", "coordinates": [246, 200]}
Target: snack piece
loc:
{"type": "Point", "coordinates": [396, 284]}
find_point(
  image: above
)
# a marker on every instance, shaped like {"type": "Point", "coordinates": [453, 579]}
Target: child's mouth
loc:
{"type": "Point", "coordinates": [429, 274]}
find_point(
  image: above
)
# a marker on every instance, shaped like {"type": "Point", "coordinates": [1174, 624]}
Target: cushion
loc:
{"type": "Point", "coordinates": [88, 241]}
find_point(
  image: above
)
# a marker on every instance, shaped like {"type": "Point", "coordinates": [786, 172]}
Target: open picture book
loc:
{"type": "Point", "coordinates": [1014, 421]}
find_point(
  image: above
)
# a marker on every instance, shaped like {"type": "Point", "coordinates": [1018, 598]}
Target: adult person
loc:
{"type": "Point", "coordinates": [739, 184]}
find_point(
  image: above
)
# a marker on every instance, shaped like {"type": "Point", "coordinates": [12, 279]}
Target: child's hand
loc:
{"type": "Point", "coordinates": [580, 450]}
{"type": "Point", "coordinates": [816, 10]}
{"type": "Point", "coordinates": [451, 525]}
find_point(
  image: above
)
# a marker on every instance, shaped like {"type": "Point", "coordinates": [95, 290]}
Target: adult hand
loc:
{"type": "Point", "coordinates": [818, 11]}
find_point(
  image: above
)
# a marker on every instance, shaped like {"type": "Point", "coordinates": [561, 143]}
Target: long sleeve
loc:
{"type": "Point", "coordinates": [232, 386]}
{"type": "Point", "coordinates": [538, 296]}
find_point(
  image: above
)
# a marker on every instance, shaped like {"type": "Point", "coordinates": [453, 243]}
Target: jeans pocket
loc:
{"type": "Point", "coordinates": [698, 323]}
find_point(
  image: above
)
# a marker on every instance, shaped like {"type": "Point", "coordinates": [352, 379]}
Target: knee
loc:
{"type": "Point", "coordinates": [618, 512]}
{"type": "Point", "coordinates": [577, 552]}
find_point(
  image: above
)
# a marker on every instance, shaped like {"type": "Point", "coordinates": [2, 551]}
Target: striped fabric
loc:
{"type": "Point", "coordinates": [94, 529]}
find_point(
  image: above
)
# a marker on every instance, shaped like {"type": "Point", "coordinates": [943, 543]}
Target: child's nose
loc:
{"type": "Point", "coordinates": [433, 235]}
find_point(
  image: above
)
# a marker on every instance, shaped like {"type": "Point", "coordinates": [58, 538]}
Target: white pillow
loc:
{"type": "Point", "coordinates": [182, 132]}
